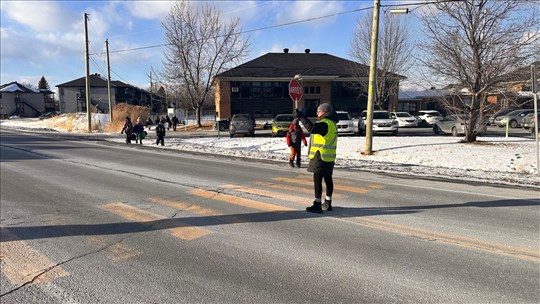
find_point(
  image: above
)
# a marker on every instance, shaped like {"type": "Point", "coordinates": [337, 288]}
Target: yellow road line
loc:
{"type": "Point", "coordinates": [244, 202]}
{"type": "Point", "coordinates": [184, 231]}
{"type": "Point", "coordinates": [513, 251]}
{"type": "Point", "coordinates": [21, 263]}
{"type": "Point", "coordinates": [294, 188]}
{"type": "Point", "coordinates": [336, 187]}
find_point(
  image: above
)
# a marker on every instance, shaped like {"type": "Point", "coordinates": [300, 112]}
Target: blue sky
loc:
{"type": "Point", "coordinates": [46, 38]}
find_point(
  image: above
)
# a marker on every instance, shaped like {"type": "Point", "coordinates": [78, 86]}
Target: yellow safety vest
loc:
{"type": "Point", "coordinates": [327, 144]}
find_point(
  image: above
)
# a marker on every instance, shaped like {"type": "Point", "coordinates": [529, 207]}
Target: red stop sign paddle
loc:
{"type": "Point", "coordinates": [295, 90]}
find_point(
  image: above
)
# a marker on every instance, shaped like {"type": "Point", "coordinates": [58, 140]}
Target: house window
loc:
{"type": "Point", "coordinates": [312, 90]}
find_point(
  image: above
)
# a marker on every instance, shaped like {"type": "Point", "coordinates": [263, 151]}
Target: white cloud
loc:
{"type": "Point", "coordinates": [148, 9]}
{"type": "Point", "coordinates": [38, 15]}
{"type": "Point", "coordinates": [301, 10]}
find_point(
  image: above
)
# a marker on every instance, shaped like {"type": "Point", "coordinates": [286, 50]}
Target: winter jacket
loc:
{"type": "Point", "coordinates": [295, 136]}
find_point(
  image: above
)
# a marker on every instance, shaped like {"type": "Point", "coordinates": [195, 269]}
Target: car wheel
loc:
{"type": "Point", "coordinates": [221, 127]}
{"type": "Point", "coordinates": [454, 131]}
{"type": "Point", "coordinates": [513, 124]}
{"type": "Point", "coordinates": [394, 133]}
{"type": "Point", "coordinates": [436, 130]}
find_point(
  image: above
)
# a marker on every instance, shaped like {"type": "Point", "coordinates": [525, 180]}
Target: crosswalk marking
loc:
{"type": "Point", "coordinates": [185, 206]}
{"type": "Point", "coordinates": [240, 201]}
{"type": "Point", "coordinates": [21, 263]}
{"type": "Point", "coordinates": [270, 194]}
{"type": "Point", "coordinates": [294, 188]}
{"type": "Point", "coordinates": [184, 231]}
{"type": "Point", "coordinates": [336, 187]}
{"type": "Point", "coordinates": [340, 181]}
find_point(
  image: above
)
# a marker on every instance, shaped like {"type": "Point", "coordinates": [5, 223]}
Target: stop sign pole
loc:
{"type": "Point", "coordinates": [295, 91]}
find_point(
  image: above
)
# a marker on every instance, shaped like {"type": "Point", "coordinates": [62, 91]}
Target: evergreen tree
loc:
{"type": "Point", "coordinates": [43, 84]}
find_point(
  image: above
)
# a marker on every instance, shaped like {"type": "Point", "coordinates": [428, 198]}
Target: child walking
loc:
{"type": "Point", "coordinates": [295, 137]}
{"type": "Point", "coordinates": [160, 132]}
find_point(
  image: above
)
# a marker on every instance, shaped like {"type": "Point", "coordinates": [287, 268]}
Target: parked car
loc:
{"type": "Point", "coordinates": [528, 121]}
{"type": "Point", "coordinates": [404, 119]}
{"type": "Point", "coordinates": [382, 123]}
{"type": "Point", "coordinates": [345, 124]}
{"type": "Point", "coordinates": [491, 118]}
{"type": "Point", "coordinates": [242, 124]}
{"type": "Point", "coordinates": [455, 125]}
{"type": "Point", "coordinates": [281, 123]}
{"type": "Point", "coordinates": [514, 118]}
{"type": "Point", "coordinates": [223, 124]}
{"type": "Point", "coordinates": [428, 117]}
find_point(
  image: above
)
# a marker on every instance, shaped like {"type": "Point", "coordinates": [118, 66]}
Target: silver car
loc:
{"type": "Point", "coordinates": [382, 123]}
{"type": "Point", "coordinates": [455, 125]}
{"type": "Point", "coordinates": [242, 124]}
{"type": "Point", "coordinates": [404, 119]}
{"type": "Point", "coordinates": [514, 118]}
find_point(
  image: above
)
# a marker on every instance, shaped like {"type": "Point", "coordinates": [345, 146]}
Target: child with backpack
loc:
{"type": "Point", "coordinates": [139, 131]}
{"type": "Point", "coordinates": [128, 129]}
{"type": "Point", "coordinates": [295, 137]}
{"type": "Point", "coordinates": [160, 132]}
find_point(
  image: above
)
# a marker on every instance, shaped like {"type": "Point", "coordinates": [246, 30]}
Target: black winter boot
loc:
{"type": "Point", "coordinates": [315, 208]}
{"type": "Point", "coordinates": [327, 205]}
{"type": "Point", "coordinates": [291, 162]}
{"type": "Point", "coordinates": [298, 164]}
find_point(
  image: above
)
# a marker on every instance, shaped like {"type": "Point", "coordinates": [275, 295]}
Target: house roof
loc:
{"type": "Point", "coordinates": [287, 65]}
{"type": "Point", "coordinates": [95, 81]}
{"type": "Point", "coordinates": [13, 87]}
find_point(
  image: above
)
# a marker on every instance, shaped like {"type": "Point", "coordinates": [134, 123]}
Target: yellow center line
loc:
{"type": "Point", "coordinates": [518, 252]}
{"type": "Point", "coordinates": [336, 187]}
{"type": "Point", "coordinates": [184, 231]}
{"type": "Point", "coordinates": [294, 188]}
{"type": "Point", "coordinates": [240, 201]}
{"type": "Point", "coordinates": [21, 263]}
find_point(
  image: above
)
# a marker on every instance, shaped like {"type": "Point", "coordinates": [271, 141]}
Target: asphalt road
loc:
{"type": "Point", "coordinates": [87, 222]}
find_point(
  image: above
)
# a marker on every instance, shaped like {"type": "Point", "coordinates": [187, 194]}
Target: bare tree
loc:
{"type": "Point", "coordinates": [199, 46]}
{"type": "Point", "coordinates": [394, 54]}
{"type": "Point", "coordinates": [472, 43]}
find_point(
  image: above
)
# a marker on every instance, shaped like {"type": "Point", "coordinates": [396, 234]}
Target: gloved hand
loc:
{"type": "Point", "coordinates": [298, 114]}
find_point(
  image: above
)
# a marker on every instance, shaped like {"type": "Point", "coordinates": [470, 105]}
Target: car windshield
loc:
{"type": "Point", "coordinates": [344, 116]}
{"type": "Point", "coordinates": [381, 115]}
{"type": "Point", "coordinates": [241, 118]}
{"type": "Point", "coordinates": [403, 114]}
{"type": "Point", "coordinates": [514, 113]}
{"type": "Point", "coordinates": [284, 118]}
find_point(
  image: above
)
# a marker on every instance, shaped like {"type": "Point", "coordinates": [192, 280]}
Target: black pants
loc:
{"type": "Point", "coordinates": [160, 139]}
{"type": "Point", "coordinates": [317, 182]}
{"type": "Point", "coordinates": [128, 138]}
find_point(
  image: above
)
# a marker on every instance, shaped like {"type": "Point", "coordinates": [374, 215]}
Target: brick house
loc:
{"type": "Point", "coordinates": [260, 86]}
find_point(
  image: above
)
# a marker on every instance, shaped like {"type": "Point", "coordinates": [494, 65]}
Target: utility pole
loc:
{"type": "Point", "coordinates": [372, 77]}
{"type": "Point", "coordinates": [534, 88]}
{"type": "Point", "coordinates": [109, 82]}
{"type": "Point", "coordinates": [87, 68]}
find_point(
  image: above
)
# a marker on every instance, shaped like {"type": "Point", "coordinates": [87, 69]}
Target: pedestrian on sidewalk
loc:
{"type": "Point", "coordinates": [160, 132]}
{"type": "Point", "coordinates": [138, 129]}
{"type": "Point", "coordinates": [127, 129]}
{"type": "Point", "coordinates": [174, 122]}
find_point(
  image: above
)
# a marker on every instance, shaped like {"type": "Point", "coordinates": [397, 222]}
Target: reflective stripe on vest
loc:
{"type": "Point", "coordinates": [326, 145]}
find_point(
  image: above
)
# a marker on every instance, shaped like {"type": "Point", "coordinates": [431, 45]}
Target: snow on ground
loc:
{"type": "Point", "coordinates": [510, 161]}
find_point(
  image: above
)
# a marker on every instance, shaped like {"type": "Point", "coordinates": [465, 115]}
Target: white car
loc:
{"type": "Point", "coordinates": [428, 117]}
{"type": "Point", "coordinates": [345, 124]}
{"type": "Point", "coordinates": [404, 119]}
{"type": "Point", "coordinates": [382, 123]}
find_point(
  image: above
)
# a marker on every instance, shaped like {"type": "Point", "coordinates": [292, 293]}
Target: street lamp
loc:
{"type": "Point", "coordinates": [372, 71]}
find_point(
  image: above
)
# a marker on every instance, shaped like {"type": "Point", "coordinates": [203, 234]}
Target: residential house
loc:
{"type": "Point", "coordinates": [17, 99]}
{"type": "Point", "coordinates": [73, 95]}
{"type": "Point", "coordinates": [260, 86]}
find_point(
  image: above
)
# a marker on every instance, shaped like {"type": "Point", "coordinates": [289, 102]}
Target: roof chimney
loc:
{"type": "Point", "coordinates": [307, 51]}
{"type": "Point", "coordinates": [285, 51]}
